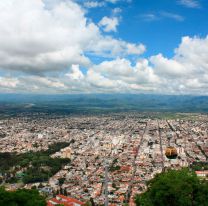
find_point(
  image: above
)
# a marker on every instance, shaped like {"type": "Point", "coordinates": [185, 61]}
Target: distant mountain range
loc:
{"type": "Point", "coordinates": [66, 104]}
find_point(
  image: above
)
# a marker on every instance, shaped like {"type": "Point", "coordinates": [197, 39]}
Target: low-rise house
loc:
{"type": "Point", "coordinates": [202, 174]}
{"type": "Point", "coordinates": [63, 200]}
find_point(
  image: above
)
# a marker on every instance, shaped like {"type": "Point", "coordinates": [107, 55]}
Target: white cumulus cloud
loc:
{"type": "Point", "coordinates": [109, 24]}
{"type": "Point", "coordinates": [48, 45]}
{"type": "Point", "coordinates": [190, 3]}
{"type": "Point", "coordinates": [36, 37]}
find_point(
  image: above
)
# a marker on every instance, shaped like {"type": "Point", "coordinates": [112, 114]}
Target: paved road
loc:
{"type": "Point", "coordinates": [161, 149]}
{"type": "Point", "coordinates": [175, 131]}
{"type": "Point", "coordinates": [129, 190]}
{"type": "Point", "coordinates": [199, 147]}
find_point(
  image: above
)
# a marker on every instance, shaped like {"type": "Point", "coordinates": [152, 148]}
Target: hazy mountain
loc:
{"type": "Point", "coordinates": [101, 103]}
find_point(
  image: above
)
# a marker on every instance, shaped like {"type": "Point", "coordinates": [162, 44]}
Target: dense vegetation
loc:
{"type": "Point", "coordinates": [199, 166]}
{"type": "Point", "coordinates": [36, 166]}
{"type": "Point", "coordinates": [21, 198]}
{"type": "Point", "coordinates": [175, 188]}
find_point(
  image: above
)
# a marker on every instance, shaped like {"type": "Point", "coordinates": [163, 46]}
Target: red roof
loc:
{"type": "Point", "coordinates": [205, 172]}
{"type": "Point", "coordinates": [125, 168]}
{"type": "Point", "coordinates": [66, 201]}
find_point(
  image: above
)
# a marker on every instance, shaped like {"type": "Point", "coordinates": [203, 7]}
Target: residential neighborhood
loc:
{"type": "Point", "coordinates": [117, 153]}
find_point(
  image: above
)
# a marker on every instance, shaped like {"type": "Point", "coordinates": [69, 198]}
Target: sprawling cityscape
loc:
{"type": "Point", "coordinates": [103, 103]}
{"type": "Point", "coordinates": [112, 156]}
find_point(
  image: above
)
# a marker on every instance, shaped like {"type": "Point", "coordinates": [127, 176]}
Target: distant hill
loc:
{"type": "Point", "coordinates": [66, 104]}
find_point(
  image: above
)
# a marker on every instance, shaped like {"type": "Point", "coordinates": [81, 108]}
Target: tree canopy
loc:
{"type": "Point", "coordinates": [21, 198]}
{"type": "Point", "coordinates": [38, 166]}
{"type": "Point", "coordinates": [175, 188]}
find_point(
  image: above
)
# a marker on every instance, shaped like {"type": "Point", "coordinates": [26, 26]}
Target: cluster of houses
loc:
{"type": "Point", "coordinates": [119, 152]}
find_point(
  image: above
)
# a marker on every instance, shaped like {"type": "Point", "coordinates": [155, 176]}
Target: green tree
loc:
{"type": "Point", "coordinates": [88, 203]}
{"type": "Point", "coordinates": [21, 198]}
{"type": "Point", "coordinates": [175, 188]}
{"type": "Point", "coordinates": [65, 192]}
{"type": "Point", "coordinates": [92, 201]}
{"type": "Point", "coordinates": [61, 181]}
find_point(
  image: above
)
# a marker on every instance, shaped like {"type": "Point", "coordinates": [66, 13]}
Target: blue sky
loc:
{"type": "Point", "coordinates": [104, 46]}
{"type": "Point", "coordinates": [161, 34]}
